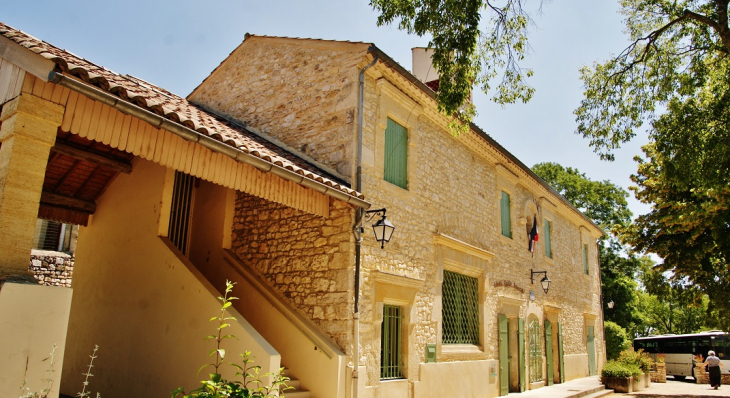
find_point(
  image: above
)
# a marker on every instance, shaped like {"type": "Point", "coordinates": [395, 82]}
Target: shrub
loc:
{"type": "Point", "coordinates": [615, 368]}
{"type": "Point", "coordinates": [640, 359]}
{"type": "Point", "coordinates": [617, 339]}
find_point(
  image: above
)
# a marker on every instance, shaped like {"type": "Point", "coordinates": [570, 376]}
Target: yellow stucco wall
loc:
{"type": "Point", "coordinates": [146, 309]}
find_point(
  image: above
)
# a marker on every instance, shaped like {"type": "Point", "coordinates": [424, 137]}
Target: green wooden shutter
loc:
{"type": "Point", "coordinates": [561, 362]}
{"type": "Point", "coordinates": [585, 258]}
{"type": "Point", "coordinates": [396, 155]}
{"type": "Point", "coordinates": [549, 351]}
{"type": "Point", "coordinates": [521, 352]}
{"type": "Point", "coordinates": [505, 211]}
{"type": "Point", "coordinates": [591, 352]}
{"type": "Point", "coordinates": [548, 245]}
{"type": "Point", "coordinates": [503, 355]}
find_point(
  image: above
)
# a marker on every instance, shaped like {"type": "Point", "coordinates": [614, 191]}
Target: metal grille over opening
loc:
{"type": "Point", "coordinates": [52, 235]}
{"type": "Point", "coordinates": [180, 210]}
{"type": "Point", "coordinates": [534, 335]}
{"type": "Point", "coordinates": [391, 343]}
{"type": "Point", "coordinates": [460, 309]}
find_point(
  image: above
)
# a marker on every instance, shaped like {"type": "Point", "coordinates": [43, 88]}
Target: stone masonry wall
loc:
{"type": "Point", "coordinates": [305, 257]}
{"type": "Point", "coordinates": [52, 268]}
{"type": "Point", "coordinates": [453, 190]}
{"type": "Point", "coordinates": [303, 94]}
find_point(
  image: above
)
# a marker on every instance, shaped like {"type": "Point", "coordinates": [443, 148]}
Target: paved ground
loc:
{"type": "Point", "coordinates": [680, 389]}
{"type": "Point", "coordinates": [590, 387]}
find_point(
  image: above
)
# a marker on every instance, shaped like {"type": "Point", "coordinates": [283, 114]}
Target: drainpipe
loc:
{"type": "Point", "coordinates": [357, 229]}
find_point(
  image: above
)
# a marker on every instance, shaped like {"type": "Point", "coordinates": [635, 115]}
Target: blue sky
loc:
{"type": "Point", "coordinates": [176, 44]}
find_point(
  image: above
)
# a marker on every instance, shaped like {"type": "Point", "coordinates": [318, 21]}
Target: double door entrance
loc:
{"type": "Point", "coordinates": [521, 352]}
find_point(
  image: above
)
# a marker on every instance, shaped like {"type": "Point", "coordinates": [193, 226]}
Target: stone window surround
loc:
{"type": "Point", "coordinates": [585, 239]}
{"type": "Point", "coordinates": [397, 290]}
{"type": "Point", "coordinates": [507, 182]}
{"type": "Point", "coordinates": [444, 242]}
{"type": "Point", "coordinates": [406, 113]}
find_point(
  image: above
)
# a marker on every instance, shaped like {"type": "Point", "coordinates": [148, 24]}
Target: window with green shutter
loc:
{"type": "Point", "coordinates": [396, 154]}
{"type": "Point", "coordinates": [505, 211]}
{"type": "Point", "coordinates": [460, 309]}
{"type": "Point", "coordinates": [585, 258]}
{"type": "Point", "coordinates": [547, 229]}
{"type": "Point", "coordinates": [391, 342]}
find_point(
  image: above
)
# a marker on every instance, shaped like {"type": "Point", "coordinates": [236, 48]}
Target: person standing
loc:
{"type": "Point", "coordinates": [713, 365]}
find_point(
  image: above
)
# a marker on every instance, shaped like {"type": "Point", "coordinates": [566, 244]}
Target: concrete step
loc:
{"type": "Point", "coordinates": [295, 390]}
{"type": "Point", "coordinates": [588, 392]}
{"type": "Point", "coordinates": [598, 394]}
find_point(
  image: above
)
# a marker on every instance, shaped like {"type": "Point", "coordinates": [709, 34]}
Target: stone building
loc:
{"type": "Point", "coordinates": [254, 179]}
{"type": "Point", "coordinates": [453, 296]}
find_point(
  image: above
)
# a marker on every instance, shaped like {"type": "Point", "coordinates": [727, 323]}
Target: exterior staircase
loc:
{"type": "Point", "coordinates": [295, 387]}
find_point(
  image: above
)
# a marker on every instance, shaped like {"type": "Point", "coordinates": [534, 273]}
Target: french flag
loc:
{"type": "Point", "coordinates": [533, 235]}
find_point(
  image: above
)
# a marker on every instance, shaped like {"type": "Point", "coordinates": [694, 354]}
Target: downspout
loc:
{"type": "Point", "coordinates": [357, 229]}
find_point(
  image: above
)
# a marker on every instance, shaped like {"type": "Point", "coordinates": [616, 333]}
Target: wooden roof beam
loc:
{"type": "Point", "coordinates": [68, 202]}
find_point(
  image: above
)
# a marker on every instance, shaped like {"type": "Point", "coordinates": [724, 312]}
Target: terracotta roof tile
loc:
{"type": "Point", "coordinates": [173, 107]}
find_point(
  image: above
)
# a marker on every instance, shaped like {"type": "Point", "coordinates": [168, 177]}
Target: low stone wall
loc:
{"type": "Point", "coordinates": [659, 374]}
{"type": "Point", "coordinates": [52, 268]}
{"type": "Point", "coordinates": [702, 377]}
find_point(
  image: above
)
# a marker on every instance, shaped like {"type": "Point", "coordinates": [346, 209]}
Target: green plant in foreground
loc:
{"type": "Point", "coordinates": [48, 379]}
{"type": "Point", "coordinates": [216, 386]}
{"type": "Point", "coordinates": [84, 393]}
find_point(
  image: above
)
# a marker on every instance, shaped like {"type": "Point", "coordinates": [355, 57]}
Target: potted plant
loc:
{"type": "Point", "coordinates": [619, 376]}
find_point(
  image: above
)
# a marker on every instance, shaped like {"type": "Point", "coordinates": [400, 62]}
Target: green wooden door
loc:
{"type": "Point", "coordinates": [591, 353]}
{"type": "Point", "coordinates": [561, 363]}
{"type": "Point", "coordinates": [549, 351]}
{"type": "Point", "coordinates": [521, 352]}
{"type": "Point", "coordinates": [503, 355]}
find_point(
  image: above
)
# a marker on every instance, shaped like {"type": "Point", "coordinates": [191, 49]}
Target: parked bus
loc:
{"type": "Point", "coordinates": [681, 350]}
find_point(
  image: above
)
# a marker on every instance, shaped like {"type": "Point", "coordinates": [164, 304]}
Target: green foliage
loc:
{"type": "Point", "coordinates": [639, 359]}
{"type": "Point", "coordinates": [616, 339]}
{"type": "Point", "coordinates": [614, 368]}
{"type": "Point", "coordinates": [464, 54]}
{"type": "Point", "coordinates": [250, 385]}
{"type": "Point", "coordinates": [675, 75]}
{"type": "Point", "coordinates": [677, 47]}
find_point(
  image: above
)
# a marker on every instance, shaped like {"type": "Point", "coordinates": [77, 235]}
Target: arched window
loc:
{"type": "Point", "coordinates": [535, 341]}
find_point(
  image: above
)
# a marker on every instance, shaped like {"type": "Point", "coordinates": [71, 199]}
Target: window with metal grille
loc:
{"type": "Point", "coordinates": [391, 343]}
{"type": "Point", "coordinates": [535, 337]}
{"type": "Point", "coordinates": [585, 258]}
{"type": "Point", "coordinates": [548, 243]}
{"type": "Point", "coordinates": [460, 309]}
{"type": "Point", "coordinates": [52, 235]}
{"type": "Point", "coordinates": [396, 154]}
{"type": "Point", "coordinates": [505, 212]}
{"type": "Point", "coordinates": [180, 210]}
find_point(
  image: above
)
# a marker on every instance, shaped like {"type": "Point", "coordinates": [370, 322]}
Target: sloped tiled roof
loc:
{"type": "Point", "coordinates": [174, 108]}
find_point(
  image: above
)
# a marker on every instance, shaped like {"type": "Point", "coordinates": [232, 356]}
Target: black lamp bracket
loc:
{"type": "Point", "coordinates": [533, 273]}
{"type": "Point", "coordinates": [370, 214]}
